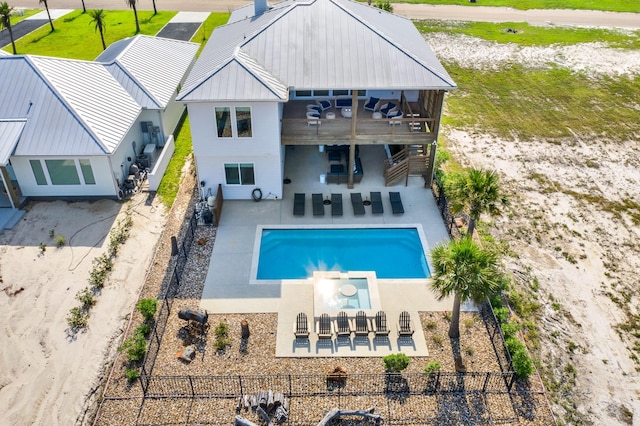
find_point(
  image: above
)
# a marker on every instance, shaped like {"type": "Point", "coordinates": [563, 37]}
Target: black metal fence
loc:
{"type": "Point", "coordinates": [443, 205]}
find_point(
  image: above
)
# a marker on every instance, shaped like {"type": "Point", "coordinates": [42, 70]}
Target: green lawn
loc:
{"type": "Point", "coordinates": [531, 35]}
{"type": "Point", "coordinates": [25, 14]}
{"type": "Point", "coordinates": [610, 5]}
{"type": "Point", "coordinates": [75, 37]}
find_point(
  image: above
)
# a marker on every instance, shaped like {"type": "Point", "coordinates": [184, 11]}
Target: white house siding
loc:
{"type": "Point", "coordinates": [263, 149]}
{"type": "Point", "coordinates": [100, 166]}
{"type": "Point", "coordinates": [120, 158]}
{"type": "Point", "coordinates": [171, 116]}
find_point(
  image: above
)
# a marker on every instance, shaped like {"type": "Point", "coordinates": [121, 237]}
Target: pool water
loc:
{"type": "Point", "coordinates": [392, 253]}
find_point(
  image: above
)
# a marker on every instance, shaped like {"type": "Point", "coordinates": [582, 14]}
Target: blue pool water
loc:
{"type": "Point", "coordinates": [296, 253]}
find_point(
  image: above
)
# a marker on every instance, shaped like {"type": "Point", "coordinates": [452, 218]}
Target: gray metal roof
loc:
{"type": "Point", "coordinates": [70, 107]}
{"type": "Point", "coordinates": [10, 131]}
{"type": "Point", "coordinates": [149, 68]}
{"type": "Point", "coordinates": [316, 44]}
{"type": "Point", "coordinates": [4, 53]}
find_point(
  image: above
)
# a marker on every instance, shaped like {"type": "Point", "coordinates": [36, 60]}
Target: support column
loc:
{"type": "Point", "coordinates": [11, 191]}
{"type": "Point", "coordinates": [352, 144]}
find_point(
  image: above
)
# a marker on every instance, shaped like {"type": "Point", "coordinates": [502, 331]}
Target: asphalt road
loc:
{"type": "Point", "coordinates": [414, 11]}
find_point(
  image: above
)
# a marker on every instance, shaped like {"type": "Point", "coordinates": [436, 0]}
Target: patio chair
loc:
{"type": "Point", "coordinates": [313, 119]}
{"type": "Point", "coordinates": [356, 202]}
{"type": "Point", "coordinates": [336, 204]}
{"type": "Point", "coordinates": [386, 108]}
{"type": "Point", "coordinates": [325, 104]}
{"type": "Point", "coordinates": [405, 325]}
{"type": "Point", "coordinates": [298, 204]}
{"type": "Point", "coordinates": [318, 204]}
{"type": "Point", "coordinates": [395, 117]}
{"type": "Point", "coordinates": [372, 104]}
{"type": "Point", "coordinates": [376, 203]}
{"type": "Point", "coordinates": [396, 203]}
{"type": "Point", "coordinates": [314, 108]}
{"type": "Point", "coordinates": [361, 327]}
{"type": "Point", "coordinates": [379, 324]}
{"type": "Point", "coordinates": [343, 326]}
{"type": "Point", "coordinates": [324, 327]}
{"type": "Point", "coordinates": [301, 326]}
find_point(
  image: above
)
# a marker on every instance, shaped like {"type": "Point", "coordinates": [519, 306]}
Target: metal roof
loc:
{"type": "Point", "coordinates": [317, 44]}
{"type": "Point", "coordinates": [4, 53]}
{"type": "Point", "coordinates": [149, 68]}
{"type": "Point", "coordinates": [10, 131]}
{"type": "Point", "coordinates": [70, 107]}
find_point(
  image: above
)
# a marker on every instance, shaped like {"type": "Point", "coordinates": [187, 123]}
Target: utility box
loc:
{"type": "Point", "coordinates": [150, 153]}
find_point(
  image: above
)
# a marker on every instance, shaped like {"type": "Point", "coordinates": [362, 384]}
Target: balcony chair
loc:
{"type": "Point", "coordinates": [325, 104]}
{"type": "Point", "coordinates": [372, 104]}
{"type": "Point", "coordinates": [386, 108]}
{"type": "Point", "coordinates": [313, 119]}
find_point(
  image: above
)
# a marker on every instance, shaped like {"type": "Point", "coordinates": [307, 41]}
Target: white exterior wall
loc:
{"type": "Point", "coordinates": [120, 158]}
{"type": "Point", "coordinates": [171, 116]}
{"type": "Point", "coordinates": [263, 149]}
{"type": "Point", "coordinates": [100, 166]}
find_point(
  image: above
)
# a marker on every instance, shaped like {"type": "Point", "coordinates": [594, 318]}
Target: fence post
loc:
{"type": "Point", "coordinates": [193, 392]}
{"type": "Point", "coordinates": [486, 382]}
{"type": "Point", "coordinates": [240, 382]}
{"type": "Point", "coordinates": [290, 386]}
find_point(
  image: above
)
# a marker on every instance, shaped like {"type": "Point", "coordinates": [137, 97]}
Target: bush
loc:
{"type": "Point", "coordinates": [60, 241]}
{"type": "Point", "coordinates": [221, 343]}
{"type": "Point", "coordinates": [222, 330]}
{"type": "Point", "coordinates": [147, 308]}
{"type": "Point", "coordinates": [396, 362]}
{"type": "Point", "coordinates": [144, 329]}
{"type": "Point", "coordinates": [132, 374]}
{"type": "Point", "coordinates": [522, 364]}
{"type": "Point", "coordinates": [510, 329]}
{"type": "Point", "coordinates": [432, 367]}
{"type": "Point", "coordinates": [86, 297]}
{"type": "Point", "coordinates": [77, 318]}
{"type": "Point", "coordinates": [502, 314]}
{"type": "Point", "coordinates": [384, 5]}
{"type": "Point", "coordinates": [135, 346]}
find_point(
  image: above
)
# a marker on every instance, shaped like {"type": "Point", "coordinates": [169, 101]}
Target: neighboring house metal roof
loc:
{"type": "Point", "coordinates": [3, 53]}
{"type": "Point", "coordinates": [10, 131]}
{"type": "Point", "coordinates": [315, 44]}
{"type": "Point", "coordinates": [149, 68]}
{"type": "Point", "coordinates": [70, 107]}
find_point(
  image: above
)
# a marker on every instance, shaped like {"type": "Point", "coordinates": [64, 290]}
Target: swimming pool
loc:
{"type": "Point", "coordinates": [392, 253]}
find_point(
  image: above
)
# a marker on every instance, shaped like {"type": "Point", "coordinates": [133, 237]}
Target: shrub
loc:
{"type": "Point", "coordinates": [384, 5]}
{"type": "Point", "coordinates": [222, 330]}
{"type": "Point", "coordinates": [432, 367]}
{"type": "Point", "coordinates": [135, 346]}
{"type": "Point", "coordinates": [60, 241]}
{"type": "Point", "coordinates": [102, 265]}
{"type": "Point", "coordinates": [396, 362]}
{"type": "Point", "coordinates": [522, 364]}
{"type": "Point", "coordinates": [86, 297]}
{"type": "Point", "coordinates": [132, 374]}
{"type": "Point", "coordinates": [430, 325]}
{"type": "Point", "coordinates": [144, 329]}
{"type": "Point", "coordinates": [221, 343]}
{"type": "Point", "coordinates": [502, 314]}
{"type": "Point", "coordinates": [510, 329]}
{"type": "Point", "coordinates": [147, 308]}
{"type": "Point", "coordinates": [77, 318]}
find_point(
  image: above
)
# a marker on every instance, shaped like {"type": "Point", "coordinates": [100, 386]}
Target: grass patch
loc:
{"type": "Point", "coordinates": [610, 5]}
{"type": "Point", "coordinates": [543, 104]}
{"type": "Point", "coordinates": [170, 183]}
{"type": "Point", "coordinates": [75, 37]}
{"type": "Point", "coordinates": [532, 35]}
{"type": "Point", "coordinates": [25, 14]}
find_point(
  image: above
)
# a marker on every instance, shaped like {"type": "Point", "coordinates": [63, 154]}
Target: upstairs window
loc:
{"type": "Point", "coordinates": [234, 122]}
{"type": "Point", "coordinates": [223, 122]}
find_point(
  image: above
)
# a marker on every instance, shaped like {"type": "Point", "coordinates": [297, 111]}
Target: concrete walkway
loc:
{"type": "Point", "coordinates": [414, 11]}
{"type": "Point", "coordinates": [183, 25]}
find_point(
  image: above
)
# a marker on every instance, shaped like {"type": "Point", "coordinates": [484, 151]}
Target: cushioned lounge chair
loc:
{"type": "Point", "coordinates": [325, 104]}
{"type": "Point", "coordinates": [361, 324]}
{"type": "Point", "coordinates": [376, 203]}
{"type": "Point", "coordinates": [386, 108]}
{"type": "Point", "coordinates": [395, 117]}
{"type": "Point", "coordinates": [396, 203]}
{"type": "Point", "coordinates": [405, 325]}
{"type": "Point", "coordinates": [318, 204]}
{"type": "Point", "coordinates": [336, 204]}
{"type": "Point", "coordinates": [372, 104]}
{"type": "Point", "coordinates": [314, 108]}
{"type": "Point", "coordinates": [298, 204]}
{"type": "Point", "coordinates": [343, 326]}
{"type": "Point", "coordinates": [379, 324]}
{"type": "Point", "coordinates": [356, 202]}
{"type": "Point", "coordinates": [313, 118]}
{"type": "Point", "coordinates": [324, 327]}
{"type": "Point", "coordinates": [301, 326]}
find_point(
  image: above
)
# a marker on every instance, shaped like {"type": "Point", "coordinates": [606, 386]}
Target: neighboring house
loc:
{"type": "Point", "coordinates": [3, 53]}
{"type": "Point", "coordinates": [71, 129]}
{"type": "Point", "coordinates": [247, 94]}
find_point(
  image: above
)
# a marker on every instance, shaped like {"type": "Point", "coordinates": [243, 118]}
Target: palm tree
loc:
{"type": "Point", "coordinates": [132, 5]}
{"type": "Point", "coordinates": [98, 18]}
{"type": "Point", "coordinates": [155, 11]}
{"type": "Point", "coordinates": [84, 8]}
{"type": "Point", "coordinates": [46, 6]}
{"type": "Point", "coordinates": [465, 270]}
{"type": "Point", "coordinates": [479, 191]}
{"type": "Point", "coordinates": [5, 22]}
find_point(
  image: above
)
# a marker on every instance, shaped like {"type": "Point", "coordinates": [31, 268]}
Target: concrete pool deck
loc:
{"type": "Point", "coordinates": [228, 287]}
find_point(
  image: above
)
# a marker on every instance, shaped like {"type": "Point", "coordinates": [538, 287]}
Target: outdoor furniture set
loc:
{"type": "Point", "coordinates": [344, 103]}
{"type": "Point", "coordinates": [357, 203]}
{"type": "Point", "coordinates": [359, 326]}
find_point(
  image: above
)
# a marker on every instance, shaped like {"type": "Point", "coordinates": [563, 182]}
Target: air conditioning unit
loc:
{"type": "Point", "coordinates": [150, 150]}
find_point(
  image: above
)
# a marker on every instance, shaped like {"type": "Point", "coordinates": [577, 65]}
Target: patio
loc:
{"type": "Point", "coordinates": [231, 286]}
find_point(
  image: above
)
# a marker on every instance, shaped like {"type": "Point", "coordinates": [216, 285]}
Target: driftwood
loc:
{"type": "Point", "coordinates": [241, 421]}
{"type": "Point", "coordinates": [336, 413]}
{"type": "Point", "coordinates": [244, 327]}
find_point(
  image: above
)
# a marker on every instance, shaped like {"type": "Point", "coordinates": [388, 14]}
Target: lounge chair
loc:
{"type": "Point", "coordinates": [313, 119]}
{"type": "Point", "coordinates": [379, 324]}
{"type": "Point", "coordinates": [343, 326]}
{"type": "Point", "coordinates": [386, 108]}
{"type": "Point", "coordinates": [301, 326]}
{"type": "Point", "coordinates": [318, 204]}
{"type": "Point", "coordinates": [324, 327]}
{"type": "Point", "coordinates": [314, 108]}
{"type": "Point", "coordinates": [405, 325]}
{"type": "Point", "coordinates": [396, 203]}
{"type": "Point", "coordinates": [298, 204]}
{"type": "Point", "coordinates": [395, 117]}
{"type": "Point", "coordinates": [356, 202]}
{"type": "Point", "coordinates": [376, 203]}
{"type": "Point", "coordinates": [361, 325]}
{"type": "Point", "coordinates": [372, 104]}
{"type": "Point", "coordinates": [336, 204]}
{"type": "Point", "coordinates": [325, 104]}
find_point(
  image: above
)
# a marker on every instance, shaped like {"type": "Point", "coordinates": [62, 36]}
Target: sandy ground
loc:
{"type": "Point", "coordinates": [547, 227]}
{"type": "Point", "coordinates": [47, 377]}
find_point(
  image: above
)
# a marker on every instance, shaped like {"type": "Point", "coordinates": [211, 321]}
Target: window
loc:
{"type": "Point", "coordinates": [38, 173]}
{"type": "Point", "coordinates": [243, 121]}
{"type": "Point", "coordinates": [63, 172]}
{"type": "Point", "coordinates": [320, 93]}
{"type": "Point", "coordinates": [303, 93]}
{"type": "Point", "coordinates": [239, 174]}
{"type": "Point", "coordinates": [341, 92]}
{"type": "Point", "coordinates": [223, 122]}
{"type": "Point", "coordinates": [87, 172]}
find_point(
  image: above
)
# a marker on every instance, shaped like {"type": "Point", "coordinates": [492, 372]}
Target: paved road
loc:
{"type": "Point", "coordinates": [414, 11]}
{"type": "Point", "coordinates": [21, 29]}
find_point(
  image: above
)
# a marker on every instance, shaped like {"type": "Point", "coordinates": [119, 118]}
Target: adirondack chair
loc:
{"type": "Point", "coordinates": [324, 328]}
{"type": "Point", "coordinates": [361, 324]}
{"type": "Point", "coordinates": [301, 326]}
{"type": "Point", "coordinates": [379, 324]}
{"type": "Point", "coordinates": [343, 327]}
{"type": "Point", "coordinates": [405, 325]}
